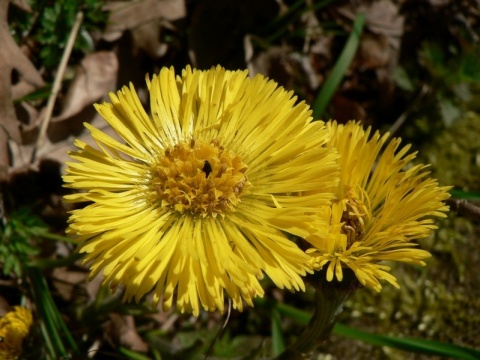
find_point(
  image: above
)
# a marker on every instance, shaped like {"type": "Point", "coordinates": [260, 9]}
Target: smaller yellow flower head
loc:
{"type": "Point", "coordinates": [14, 327]}
{"type": "Point", "coordinates": [382, 204]}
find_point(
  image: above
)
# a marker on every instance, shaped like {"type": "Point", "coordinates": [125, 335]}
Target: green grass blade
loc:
{"type": "Point", "coordinates": [47, 340]}
{"type": "Point", "coordinates": [465, 194]}
{"type": "Point", "coordinates": [341, 66]}
{"type": "Point", "coordinates": [60, 324]}
{"type": "Point", "coordinates": [133, 355]}
{"type": "Point", "coordinates": [428, 347]}
{"type": "Point", "coordinates": [40, 94]}
{"type": "Point", "coordinates": [44, 308]}
{"type": "Point", "coordinates": [50, 316]}
{"type": "Point", "coordinates": [300, 316]}
{"type": "Point", "coordinates": [408, 344]}
{"type": "Point", "coordinates": [278, 343]}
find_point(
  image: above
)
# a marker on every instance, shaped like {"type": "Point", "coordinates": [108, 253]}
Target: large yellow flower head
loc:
{"type": "Point", "coordinates": [382, 204]}
{"type": "Point", "coordinates": [14, 327]}
{"type": "Point", "coordinates": [197, 200]}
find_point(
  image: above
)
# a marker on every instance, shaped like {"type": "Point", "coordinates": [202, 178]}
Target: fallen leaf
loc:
{"type": "Point", "coordinates": [121, 331]}
{"type": "Point", "coordinates": [95, 76]}
{"type": "Point", "coordinates": [4, 307]}
{"type": "Point", "coordinates": [148, 37]}
{"type": "Point", "coordinates": [22, 4]}
{"type": "Point", "coordinates": [383, 17]}
{"type": "Point", "coordinates": [67, 280]}
{"type": "Point", "coordinates": [127, 15]}
{"type": "Point", "coordinates": [11, 57]}
{"type": "Point", "coordinates": [275, 63]}
{"type": "Point", "coordinates": [374, 52]}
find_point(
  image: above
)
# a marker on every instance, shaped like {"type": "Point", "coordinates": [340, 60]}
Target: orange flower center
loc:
{"type": "Point", "coordinates": [200, 178]}
{"type": "Point", "coordinates": [353, 219]}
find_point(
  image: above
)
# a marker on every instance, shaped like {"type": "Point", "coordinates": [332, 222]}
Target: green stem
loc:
{"type": "Point", "coordinates": [329, 300]}
{"type": "Point", "coordinates": [329, 306]}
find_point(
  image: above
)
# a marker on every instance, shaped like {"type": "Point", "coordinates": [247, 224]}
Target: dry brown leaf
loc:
{"type": "Point", "coordinates": [147, 37]}
{"type": "Point", "coordinates": [313, 29]}
{"type": "Point", "coordinates": [59, 149]}
{"type": "Point", "coordinates": [128, 15]}
{"type": "Point", "coordinates": [27, 114]}
{"type": "Point", "coordinates": [374, 52]}
{"type": "Point", "coordinates": [381, 17]}
{"type": "Point", "coordinates": [66, 280]}
{"type": "Point", "coordinates": [122, 332]}
{"type": "Point", "coordinates": [4, 307]}
{"type": "Point", "coordinates": [93, 287]}
{"type": "Point", "coordinates": [378, 55]}
{"type": "Point", "coordinates": [95, 76]}
{"type": "Point", "coordinates": [22, 4]}
{"type": "Point", "coordinates": [11, 58]}
{"type": "Point", "coordinates": [274, 63]}
{"type": "Point", "coordinates": [21, 89]}
{"type": "Point", "coordinates": [282, 65]}
{"type": "Point", "coordinates": [76, 130]}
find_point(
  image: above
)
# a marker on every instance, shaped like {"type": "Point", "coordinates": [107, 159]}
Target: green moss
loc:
{"type": "Point", "coordinates": [455, 153]}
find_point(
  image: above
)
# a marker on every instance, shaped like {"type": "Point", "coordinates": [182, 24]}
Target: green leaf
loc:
{"type": "Point", "coordinates": [470, 67]}
{"type": "Point", "coordinates": [433, 59]}
{"type": "Point", "coordinates": [8, 264]}
{"type": "Point", "coordinates": [278, 342]}
{"type": "Point", "coordinates": [130, 354]}
{"type": "Point", "coordinates": [340, 68]}
{"type": "Point", "coordinates": [402, 79]}
{"type": "Point", "coordinates": [448, 110]}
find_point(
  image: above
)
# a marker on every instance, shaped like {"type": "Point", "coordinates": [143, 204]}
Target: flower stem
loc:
{"type": "Point", "coordinates": [329, 300]}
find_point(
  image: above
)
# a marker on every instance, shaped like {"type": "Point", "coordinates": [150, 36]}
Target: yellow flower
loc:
{"type": "Point", "coordinates": [14, 327]}
{"type": "Point", "coordinates": [381, 205]}
{"type": "Point", "coordinates": [197, 200]}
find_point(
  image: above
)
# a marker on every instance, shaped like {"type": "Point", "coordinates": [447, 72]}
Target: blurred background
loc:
{"type": "Point", "coordinates": [410, 67]}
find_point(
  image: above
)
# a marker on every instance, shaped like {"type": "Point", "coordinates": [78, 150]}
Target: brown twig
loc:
{"type": "Point", "coordinates": [57, 84]}
{"type": "Point", "coordinates": [464, 208]}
